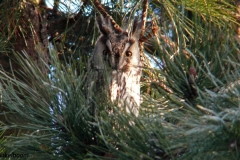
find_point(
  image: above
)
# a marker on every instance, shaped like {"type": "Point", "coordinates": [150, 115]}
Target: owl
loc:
{"type": "Point", "coordinates": [115, 64]}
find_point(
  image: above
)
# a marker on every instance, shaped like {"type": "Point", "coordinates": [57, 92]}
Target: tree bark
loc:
{"type": "Point", "coordinates": [30, 36]}
{"type": "Point", "coordinates": [28, 28]}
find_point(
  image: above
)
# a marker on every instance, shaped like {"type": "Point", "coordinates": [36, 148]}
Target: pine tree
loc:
{"type": "Point", "coordinates": [190, 107]}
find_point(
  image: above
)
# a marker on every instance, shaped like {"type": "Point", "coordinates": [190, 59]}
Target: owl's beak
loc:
{"type": "Point", "coordinates": [115, 61]}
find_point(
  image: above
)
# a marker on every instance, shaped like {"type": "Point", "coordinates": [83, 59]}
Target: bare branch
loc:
{"type": "Point", "coordinates": [144, 17]}
{"type": "Point", "coordinates": [56, 6]}
{"type": "Point", "coordinates": [103, 12]}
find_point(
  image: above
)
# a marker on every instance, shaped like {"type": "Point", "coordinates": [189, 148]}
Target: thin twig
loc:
{"type": "Point", "coordinates": [103, 12]}
{"type": "Point", "coordinates": [144, 17]}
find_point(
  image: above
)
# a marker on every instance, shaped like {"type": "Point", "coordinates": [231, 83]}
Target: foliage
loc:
{"type": "Point", "coordinates": [2, 140]}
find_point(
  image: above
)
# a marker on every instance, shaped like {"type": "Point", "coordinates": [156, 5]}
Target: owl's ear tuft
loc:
{"type": "Point", "coordinates": [136, 29]}
{"type": "Point", "coordinates": [104, 25]}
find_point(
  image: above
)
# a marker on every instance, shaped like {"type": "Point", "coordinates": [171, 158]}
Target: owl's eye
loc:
{"type": "Point", "coordinates": [128, 54]}
{"type": "Point", "coordinates": [105, 52]}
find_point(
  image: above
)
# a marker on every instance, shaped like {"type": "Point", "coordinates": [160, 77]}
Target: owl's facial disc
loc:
{"type": "Point", "coordinates": [119, 53]}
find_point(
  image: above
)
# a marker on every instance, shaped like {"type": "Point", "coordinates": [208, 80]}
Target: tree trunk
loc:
{"type": "Point", "coordinates": [29, 35]}
{"type": "Point", "coordinates": [237, 36]}
{"type": "Point", "coordinates": [28, 28]}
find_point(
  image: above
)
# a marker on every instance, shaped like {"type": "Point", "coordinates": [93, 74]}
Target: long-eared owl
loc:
{"type": "Point", "coordinates": [116, 56]}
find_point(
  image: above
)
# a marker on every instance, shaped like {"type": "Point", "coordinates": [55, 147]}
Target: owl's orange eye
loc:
{"type": "Point", "coordinates": [128, 54]}
{"type": "Point", "coordinates": [105, 52]}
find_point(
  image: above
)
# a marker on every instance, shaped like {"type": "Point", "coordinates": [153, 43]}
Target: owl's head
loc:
{"type": "Point", "coordinates": [116, 47]}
